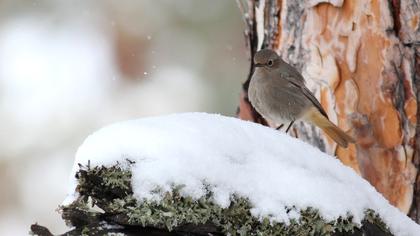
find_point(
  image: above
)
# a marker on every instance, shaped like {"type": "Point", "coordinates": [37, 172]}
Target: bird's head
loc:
{"type": "Point", "coordinates": [266, 58]}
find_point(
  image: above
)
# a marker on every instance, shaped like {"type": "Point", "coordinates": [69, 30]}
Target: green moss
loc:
{"type": "Point", "coordinates": [110, 189]}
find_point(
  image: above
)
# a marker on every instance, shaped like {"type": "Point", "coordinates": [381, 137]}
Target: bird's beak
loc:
{"type": "Point", "coordinates": [258, 65]}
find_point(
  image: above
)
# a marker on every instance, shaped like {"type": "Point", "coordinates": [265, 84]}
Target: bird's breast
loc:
{"type": "Point", "coordinates": [275, 98]}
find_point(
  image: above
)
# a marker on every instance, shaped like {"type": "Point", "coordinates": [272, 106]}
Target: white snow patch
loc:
{"type": "Point", "coordinates": [270, 168]}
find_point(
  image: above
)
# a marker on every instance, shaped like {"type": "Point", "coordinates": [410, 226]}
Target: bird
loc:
{"type": "Point", "coordinates": [278, 92]}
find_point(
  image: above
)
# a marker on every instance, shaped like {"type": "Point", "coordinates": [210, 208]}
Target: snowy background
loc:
{"type": "Point", "coordinates": [68, 68]}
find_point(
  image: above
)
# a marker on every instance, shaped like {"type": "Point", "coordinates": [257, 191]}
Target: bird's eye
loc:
{"type": "Point", "coordinates": [270, 62]}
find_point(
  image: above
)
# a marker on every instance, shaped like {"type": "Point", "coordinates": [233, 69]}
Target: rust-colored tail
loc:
{"type": "Point", "coordinates": [339, 136]}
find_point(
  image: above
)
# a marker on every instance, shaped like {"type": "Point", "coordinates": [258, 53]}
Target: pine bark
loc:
{"type": "Point", "coordinates": [361, 58]}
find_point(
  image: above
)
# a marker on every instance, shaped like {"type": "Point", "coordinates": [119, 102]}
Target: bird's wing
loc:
{"type": "Point", "coordinates": [315, 101]}
{"type": "Point", "coordinates": [308, 94]}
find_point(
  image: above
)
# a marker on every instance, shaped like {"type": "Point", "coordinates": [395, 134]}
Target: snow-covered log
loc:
{"type": "Point", "coordinates": [196, 173]}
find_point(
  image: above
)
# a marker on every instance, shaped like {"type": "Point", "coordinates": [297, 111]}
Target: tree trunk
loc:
{"type": "Point", "coordinates": [361, 58]}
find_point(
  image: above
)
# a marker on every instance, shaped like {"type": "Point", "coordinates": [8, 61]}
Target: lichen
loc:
{"type": "Point", "coordinates": [110, 189]}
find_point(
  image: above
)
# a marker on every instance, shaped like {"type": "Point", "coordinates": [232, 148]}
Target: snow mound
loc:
{"type": "Point", "coordinates": [269, 168]}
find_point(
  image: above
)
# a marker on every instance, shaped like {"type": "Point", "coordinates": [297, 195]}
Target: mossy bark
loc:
{"type": "Point", "coordinates": [106, 205]}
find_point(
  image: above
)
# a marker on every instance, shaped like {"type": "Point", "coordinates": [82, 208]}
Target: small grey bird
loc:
{"type": "Point", "coordinates": [278, 92]}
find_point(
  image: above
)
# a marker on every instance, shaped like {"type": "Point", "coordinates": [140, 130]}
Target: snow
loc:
{"type": "Point", "coordinates": [272, 169]}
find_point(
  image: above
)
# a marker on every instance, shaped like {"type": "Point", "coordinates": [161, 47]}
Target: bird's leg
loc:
{"type": "Point", "coordinates": [281, 126]}
{"type": "Point", "coordinates": [290, 125]}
